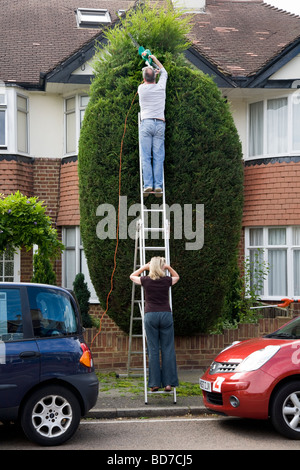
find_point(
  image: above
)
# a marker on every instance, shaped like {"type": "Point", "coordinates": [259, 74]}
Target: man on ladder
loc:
{"type": "Point", "coordinates": [156, 305]}
{"type": "Point", "coordinates": [152, 97]}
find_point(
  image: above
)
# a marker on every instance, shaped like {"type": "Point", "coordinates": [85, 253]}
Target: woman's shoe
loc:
{"type": "Point", "coordinates": [154, 389]}
{"type": "Point", "coordinates": [168, 388]}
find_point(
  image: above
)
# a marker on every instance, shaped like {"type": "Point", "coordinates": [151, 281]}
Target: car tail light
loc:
{"type": "Point", "coordinates": [86, 358]}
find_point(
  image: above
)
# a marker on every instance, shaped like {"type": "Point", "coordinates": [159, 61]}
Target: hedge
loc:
{"type": "Point", "coordinates": [203, 165]}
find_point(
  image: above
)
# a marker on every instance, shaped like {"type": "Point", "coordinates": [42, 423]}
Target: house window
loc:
{"type": "Point", "coordinates": [22, 123]}
{"type": "Point", "coordinates": [74, 113]}
{"type": "Point", "coordinates": [70, 124]}
{"type": "Point", "coordinates": [74, 261]}
{"type": "Point", "coordinates": [3, 110]}
{"type": "Point", "coordinates": [277, 126]}
{"type": "Point", "coordinates": [82, 107]}
{"type": "Point", "coordinates": [256, 129]}
{"type": "Point", "coordinates": [274, 127]}
{"type": "Point", "coordinates": [279, 248]}
{"type": "Point", "coordinates": [10, 266]}
{"type": "Point", "coordinates": [296, 121]}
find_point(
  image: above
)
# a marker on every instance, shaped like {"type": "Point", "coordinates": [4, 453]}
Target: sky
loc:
{"type": "Point", "coordinates": [293, 6]}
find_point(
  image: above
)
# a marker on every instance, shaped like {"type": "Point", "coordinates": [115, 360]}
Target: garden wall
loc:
{"type": "Point", "coordinates": [110, 347]}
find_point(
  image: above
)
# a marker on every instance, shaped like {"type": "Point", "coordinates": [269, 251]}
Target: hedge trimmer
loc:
{"type": "Point", "coordinates": [144, 53]}
{"type": "Point", "coordinates": [285, 303]}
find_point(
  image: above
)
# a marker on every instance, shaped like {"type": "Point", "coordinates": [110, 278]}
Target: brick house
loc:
{"type": "Point", "coordinates": [251, 50]}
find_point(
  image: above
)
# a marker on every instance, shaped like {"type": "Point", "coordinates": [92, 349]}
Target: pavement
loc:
{"type": "Point", "coordinates": [115, 403]}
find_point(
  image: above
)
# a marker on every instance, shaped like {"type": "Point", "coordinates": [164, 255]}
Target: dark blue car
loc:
{"type": "Point", "coordinates": [47, 378]}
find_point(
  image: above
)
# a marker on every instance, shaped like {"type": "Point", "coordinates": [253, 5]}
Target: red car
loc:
{"type": "Point", "coordinates": [259, 378]}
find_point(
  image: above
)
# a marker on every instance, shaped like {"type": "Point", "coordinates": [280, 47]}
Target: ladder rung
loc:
{"type": "Point", "coordinates": [137, 336]}
{"type": "Point", "coordinates": [154, 229]}
{"type": "Point", "coordinates": [170, 394]}
{"type": "Point", "coordinates": [136, 318]}
{"type": "Point", "coordinates": [136, 352]}
{"type": "Point", "coordinates": [153, 248]}
{"type": "Point", "coordinates": [153, 210]}
{"type": "Point", "coordinates": [152, 192]}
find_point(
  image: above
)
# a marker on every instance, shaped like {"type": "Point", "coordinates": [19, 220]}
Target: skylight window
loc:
{"type": "Point", "coordinates": [92, 17]}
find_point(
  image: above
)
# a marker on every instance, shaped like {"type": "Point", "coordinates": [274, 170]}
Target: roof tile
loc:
{"type": "Point", "coordinates": [37, 35]}
{"type": "Point", "coordinates": [240, 37]}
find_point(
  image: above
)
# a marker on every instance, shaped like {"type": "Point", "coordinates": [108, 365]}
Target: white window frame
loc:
{"type": "Point", "coordinates": [78, 112]}
{"type": "Point", "coordinates": [10, 105]}
{"type": "Point", "coordinates": [290, 249]}
{"type": "Point", "coordinates": [82, 107]}
{"type": "Point", "coordinates": [67, 114]}
{"type": "Point", "coordinates": [26, 113]}
{"type": "Point", "coordinates": [79, 260]}
{"type": "Point", "coordinates": [16, 259]}
{"type": "Point", "coordinates": [265, 154]}
{"type": "Point", "coordinates": [3, 108]}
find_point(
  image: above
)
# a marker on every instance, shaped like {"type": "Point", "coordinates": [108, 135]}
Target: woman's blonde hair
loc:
{"type": "Point", "coordinates": [156, 267]}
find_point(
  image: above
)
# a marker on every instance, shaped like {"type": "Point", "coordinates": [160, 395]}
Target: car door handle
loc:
{"type": "Point", "coordinates": [27, 354]}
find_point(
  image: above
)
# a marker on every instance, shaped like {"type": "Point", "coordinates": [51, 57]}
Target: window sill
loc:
{"type": "Point", "coordinates": [270, 160]}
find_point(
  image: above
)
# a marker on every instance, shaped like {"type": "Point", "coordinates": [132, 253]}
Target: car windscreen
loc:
{"type": "Point", "coordinates": [52, 312]}
{"type": "Point", "coordinates": [289, 331]}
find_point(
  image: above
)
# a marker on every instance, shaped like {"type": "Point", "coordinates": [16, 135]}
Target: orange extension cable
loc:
{"type": "Point", "coordinates": [118, 223]}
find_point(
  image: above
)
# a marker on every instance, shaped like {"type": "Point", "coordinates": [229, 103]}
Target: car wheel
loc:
{"type": "Point", "coordinates": [51, 415]}
{"type": "Point", "coordinates": [285, 410]}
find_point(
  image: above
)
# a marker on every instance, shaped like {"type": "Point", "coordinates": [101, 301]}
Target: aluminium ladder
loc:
{"type": "Point", "coordinates": [143, 231]}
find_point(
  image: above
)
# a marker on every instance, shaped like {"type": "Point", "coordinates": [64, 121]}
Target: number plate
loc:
{"type": "Point", "coordinates": [205, 385]}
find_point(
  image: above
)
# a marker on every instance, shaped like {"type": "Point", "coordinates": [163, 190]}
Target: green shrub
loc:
{"type": "Point", "coordinates": [43, 272]}
{"type": "Point", "coordinates": [203, 166]}
{"type": "Point", "coordinates": [24, 223]}
{"type": "Point", "coordinates": [83, 295]}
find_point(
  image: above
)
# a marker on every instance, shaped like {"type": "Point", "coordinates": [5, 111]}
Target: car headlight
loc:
{"type": "Point", "coordinates": [257, 359]}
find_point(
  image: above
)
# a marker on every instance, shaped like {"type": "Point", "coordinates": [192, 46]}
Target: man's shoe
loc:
{"type": "Point", "coordinates": [147, 191]}
{"type": "Point", "coordinates": [158, 192]}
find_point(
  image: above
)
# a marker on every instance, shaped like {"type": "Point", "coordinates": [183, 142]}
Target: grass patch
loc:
{"type": "Point", "coordinates": [135, 385]}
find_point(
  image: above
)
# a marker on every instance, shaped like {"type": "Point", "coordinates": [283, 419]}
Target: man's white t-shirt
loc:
{"type": "Point", "coordinates": [152, 97]}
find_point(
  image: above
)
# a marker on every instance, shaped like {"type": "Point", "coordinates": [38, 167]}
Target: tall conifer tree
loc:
{"type": "Point", "coordinates": [203, 165]}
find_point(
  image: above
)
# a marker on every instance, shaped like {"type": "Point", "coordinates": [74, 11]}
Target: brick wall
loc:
{"type": "Point", "coordinates": [16, 174]}
{"type": "Point", "coordinates": [32, 177]}
{"type": "Point", "coordinates": [272, 194]}
{"type": "Point", "coordinates": [26, 265]}
{"type": "Point", "coordinates": [46, 186]}
{"type": "Point", "coordinates": [69, 194]}
{"type": "Point", "coordinates": [46, 183]}
{"type": "Point", "coordinates": [110, 347]}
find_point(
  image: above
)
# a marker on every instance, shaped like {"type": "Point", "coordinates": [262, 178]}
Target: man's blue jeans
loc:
{"type": "Point", "coordinates": [160, 335]}
{"type": "Point", "coordinates": [152, 146]}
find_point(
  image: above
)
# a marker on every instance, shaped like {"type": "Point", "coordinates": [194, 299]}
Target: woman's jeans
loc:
{"type": "Point", "coordinates": [160, 334]}
{"type": "Point", "coordinates": [152, 146]}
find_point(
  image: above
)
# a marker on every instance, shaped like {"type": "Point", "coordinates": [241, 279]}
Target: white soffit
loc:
{"type": "Point", "coordinates": [290, 71]}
